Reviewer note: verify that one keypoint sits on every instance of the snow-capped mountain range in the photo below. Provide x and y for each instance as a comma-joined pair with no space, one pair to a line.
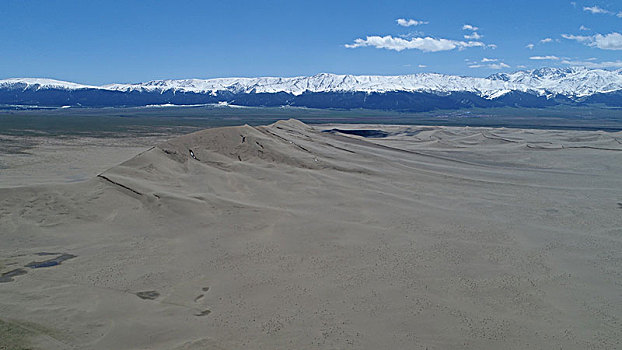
544,84
331,83
570,82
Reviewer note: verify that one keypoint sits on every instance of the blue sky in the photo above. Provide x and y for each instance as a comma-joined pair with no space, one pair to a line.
98,42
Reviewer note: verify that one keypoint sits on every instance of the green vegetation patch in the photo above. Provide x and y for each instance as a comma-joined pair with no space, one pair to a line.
14,337
19,335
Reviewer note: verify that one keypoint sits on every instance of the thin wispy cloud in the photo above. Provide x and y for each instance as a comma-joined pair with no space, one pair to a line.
489,63
497,66
409,22
411,35
425,44
596,10
601,11
531,46
469,27
611,41
584,28
579,38
543,58
422,66
473,36
595,65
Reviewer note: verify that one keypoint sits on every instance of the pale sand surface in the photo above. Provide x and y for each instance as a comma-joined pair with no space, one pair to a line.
28,160
287,237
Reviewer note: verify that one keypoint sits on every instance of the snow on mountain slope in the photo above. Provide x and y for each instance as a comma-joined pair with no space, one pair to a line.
325,82
571,82
42,83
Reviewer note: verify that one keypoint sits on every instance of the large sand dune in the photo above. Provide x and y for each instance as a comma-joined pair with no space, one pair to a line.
290,237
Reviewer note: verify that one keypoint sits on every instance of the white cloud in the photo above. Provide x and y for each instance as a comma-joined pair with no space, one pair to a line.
600,10
582,27
551,58
579,38
520,66
596,10
530,46
473,36
426,44
469,27
422,66
412,35
489,59
590,64
499,65
546,40
409,22
611,41
491,46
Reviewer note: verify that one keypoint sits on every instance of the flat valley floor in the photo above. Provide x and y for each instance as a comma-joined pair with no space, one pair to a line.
292,236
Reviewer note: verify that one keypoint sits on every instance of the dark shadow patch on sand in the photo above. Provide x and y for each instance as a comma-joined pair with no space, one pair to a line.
411,133
192,155
120,185
148,295
50,262
8,276
203,313
362,132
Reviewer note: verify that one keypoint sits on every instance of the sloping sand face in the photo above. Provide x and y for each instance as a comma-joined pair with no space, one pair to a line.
290,237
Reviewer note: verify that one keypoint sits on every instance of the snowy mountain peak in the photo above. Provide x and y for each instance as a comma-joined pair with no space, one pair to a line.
42,83
572,82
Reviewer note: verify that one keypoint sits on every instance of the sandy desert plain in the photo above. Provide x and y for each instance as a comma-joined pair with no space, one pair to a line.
287,236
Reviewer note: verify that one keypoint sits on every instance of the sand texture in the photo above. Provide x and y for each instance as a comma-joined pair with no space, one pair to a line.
28,160
290,237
